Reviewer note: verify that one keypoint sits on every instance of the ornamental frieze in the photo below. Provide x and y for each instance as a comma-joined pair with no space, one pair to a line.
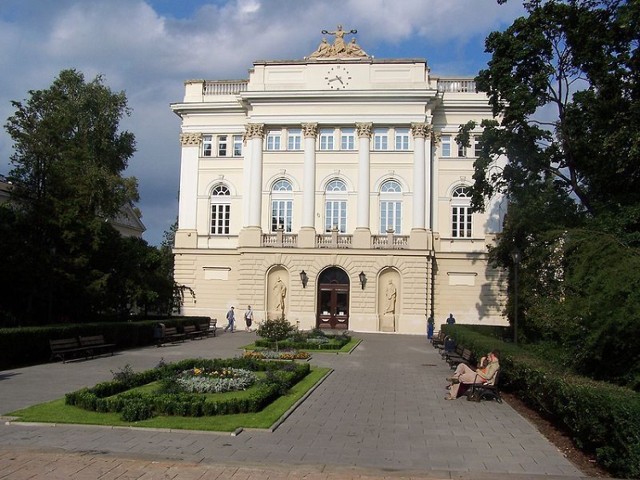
190,139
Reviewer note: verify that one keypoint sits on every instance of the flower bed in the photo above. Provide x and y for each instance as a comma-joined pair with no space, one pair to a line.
171,398
279,355
203,380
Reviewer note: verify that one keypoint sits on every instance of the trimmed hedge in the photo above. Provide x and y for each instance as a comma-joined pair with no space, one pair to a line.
602,419
23,346
113,396
336,343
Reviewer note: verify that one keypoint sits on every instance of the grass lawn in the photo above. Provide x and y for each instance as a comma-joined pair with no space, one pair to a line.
57,412
347,348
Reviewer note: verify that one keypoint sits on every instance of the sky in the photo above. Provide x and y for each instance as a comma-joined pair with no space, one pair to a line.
148,48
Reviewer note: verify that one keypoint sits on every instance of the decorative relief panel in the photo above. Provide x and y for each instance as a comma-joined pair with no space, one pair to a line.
190,139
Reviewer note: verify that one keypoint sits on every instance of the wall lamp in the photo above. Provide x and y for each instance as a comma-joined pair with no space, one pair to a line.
304,278
363,279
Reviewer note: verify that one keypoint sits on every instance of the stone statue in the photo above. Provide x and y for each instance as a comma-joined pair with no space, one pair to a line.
339,48
281,292
354,50
324,50
391,294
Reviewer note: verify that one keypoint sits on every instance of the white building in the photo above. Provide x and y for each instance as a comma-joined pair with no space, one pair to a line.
331,189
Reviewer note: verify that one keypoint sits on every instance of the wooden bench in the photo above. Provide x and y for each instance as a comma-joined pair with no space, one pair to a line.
192,332
485,391
462,355
95,345
208,328
169,335
64,348
438,339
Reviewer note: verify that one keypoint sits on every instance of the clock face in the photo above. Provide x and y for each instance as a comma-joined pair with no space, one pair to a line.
337,77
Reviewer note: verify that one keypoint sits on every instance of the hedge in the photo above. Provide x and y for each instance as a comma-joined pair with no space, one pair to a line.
602,419
113,396
21,346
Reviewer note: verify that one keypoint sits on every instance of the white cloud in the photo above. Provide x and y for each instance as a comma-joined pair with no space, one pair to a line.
149,55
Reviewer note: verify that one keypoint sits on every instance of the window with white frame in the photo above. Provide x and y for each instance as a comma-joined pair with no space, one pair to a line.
237,145
335,207
327,139
207,145
222,145
348,139
381,139
281,205
445,146
477,145
402,138
462,150
220,210
391,207
461,225
294,139
273,139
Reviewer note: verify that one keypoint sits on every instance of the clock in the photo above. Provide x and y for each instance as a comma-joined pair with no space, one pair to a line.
337,77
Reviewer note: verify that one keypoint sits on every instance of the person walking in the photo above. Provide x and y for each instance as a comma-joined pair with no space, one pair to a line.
231,320
248,318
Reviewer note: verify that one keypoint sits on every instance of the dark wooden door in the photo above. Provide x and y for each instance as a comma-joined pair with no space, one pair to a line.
333,299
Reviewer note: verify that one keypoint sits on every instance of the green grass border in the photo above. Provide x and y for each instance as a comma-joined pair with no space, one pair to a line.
57,412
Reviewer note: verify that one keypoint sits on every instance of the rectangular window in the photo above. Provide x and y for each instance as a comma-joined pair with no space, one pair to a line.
348,139
237,145
222,145
294,139
381,139
281,214
461,222
402,139
335,215
220,219
391,216
273,140
462,150
207,145
477,145
445,146
326,139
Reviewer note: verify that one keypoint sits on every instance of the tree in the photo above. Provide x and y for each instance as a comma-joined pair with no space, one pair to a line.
563,85
68,160
275,330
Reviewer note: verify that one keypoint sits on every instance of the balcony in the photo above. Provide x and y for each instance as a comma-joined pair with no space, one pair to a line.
280,240
224,87
457,85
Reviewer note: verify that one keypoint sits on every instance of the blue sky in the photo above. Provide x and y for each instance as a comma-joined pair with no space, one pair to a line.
148,48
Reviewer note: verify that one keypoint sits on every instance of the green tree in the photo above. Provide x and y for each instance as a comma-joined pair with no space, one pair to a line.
563,85
67,166
275,330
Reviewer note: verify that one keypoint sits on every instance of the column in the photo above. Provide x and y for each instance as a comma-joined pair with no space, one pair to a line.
188,200
434,188
307,234
256,134
362,233
251,233
420,132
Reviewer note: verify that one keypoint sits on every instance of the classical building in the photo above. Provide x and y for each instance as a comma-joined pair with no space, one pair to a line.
331,190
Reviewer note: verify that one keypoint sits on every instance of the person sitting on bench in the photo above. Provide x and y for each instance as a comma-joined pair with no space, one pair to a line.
464,374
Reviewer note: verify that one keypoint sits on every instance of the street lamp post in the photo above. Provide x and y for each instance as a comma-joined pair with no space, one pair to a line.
516,256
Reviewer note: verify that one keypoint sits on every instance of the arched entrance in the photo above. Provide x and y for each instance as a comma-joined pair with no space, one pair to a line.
333,299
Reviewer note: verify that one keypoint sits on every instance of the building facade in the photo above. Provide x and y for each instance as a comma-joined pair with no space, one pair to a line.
331,190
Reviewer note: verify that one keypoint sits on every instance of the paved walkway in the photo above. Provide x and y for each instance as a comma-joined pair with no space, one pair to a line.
380,414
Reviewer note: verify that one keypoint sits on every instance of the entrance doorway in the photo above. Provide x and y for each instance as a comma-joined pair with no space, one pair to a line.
333,299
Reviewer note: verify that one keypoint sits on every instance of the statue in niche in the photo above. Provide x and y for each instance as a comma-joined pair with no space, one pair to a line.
391,294
281,293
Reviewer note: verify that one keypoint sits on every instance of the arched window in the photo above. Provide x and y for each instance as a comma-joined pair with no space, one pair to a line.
281,205
461,226
391,207
220,210
335,206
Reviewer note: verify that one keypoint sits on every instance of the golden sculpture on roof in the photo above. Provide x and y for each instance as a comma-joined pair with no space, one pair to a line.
340,48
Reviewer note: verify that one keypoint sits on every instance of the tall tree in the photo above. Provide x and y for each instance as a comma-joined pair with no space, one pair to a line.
68,160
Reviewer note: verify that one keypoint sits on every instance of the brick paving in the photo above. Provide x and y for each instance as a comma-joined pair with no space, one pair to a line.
379,414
